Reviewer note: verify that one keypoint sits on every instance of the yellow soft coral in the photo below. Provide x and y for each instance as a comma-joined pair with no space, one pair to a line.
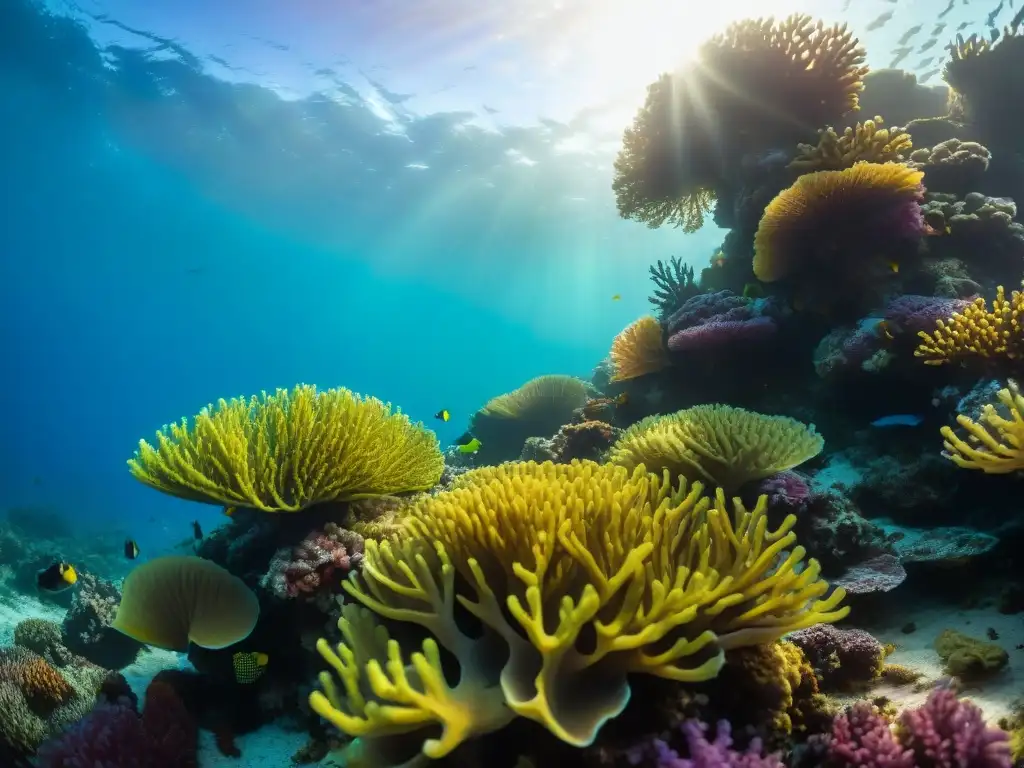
719,444
584,574
868,141
995,443
799,231
977,332
287,451
638,350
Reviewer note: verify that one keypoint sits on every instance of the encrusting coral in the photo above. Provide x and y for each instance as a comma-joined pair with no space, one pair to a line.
719,444
969,658
580,574
995,443
868,142
952,165
694,125
976,331
825,228
287,451
638,350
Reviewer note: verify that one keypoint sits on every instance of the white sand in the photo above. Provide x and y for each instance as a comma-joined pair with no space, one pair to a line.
15,609
995,696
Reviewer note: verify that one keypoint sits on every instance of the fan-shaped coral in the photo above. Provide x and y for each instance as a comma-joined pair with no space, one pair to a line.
868,142
173,600
722,445
638,350
976,331
828,223
290,450
538,408
581,574
995,443
696,123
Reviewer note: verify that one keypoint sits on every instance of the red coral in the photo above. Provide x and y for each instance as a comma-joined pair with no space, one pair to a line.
946,732
861,738
318,561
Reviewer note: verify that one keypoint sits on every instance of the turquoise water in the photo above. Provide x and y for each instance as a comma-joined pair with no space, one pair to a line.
414,204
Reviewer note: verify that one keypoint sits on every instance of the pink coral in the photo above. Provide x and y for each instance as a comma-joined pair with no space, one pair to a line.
317,562
946,732
703,753
861,738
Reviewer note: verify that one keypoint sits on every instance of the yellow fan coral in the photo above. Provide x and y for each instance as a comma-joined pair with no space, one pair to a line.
722,445
995,443
581,574
638,350
537,409
868,141
804,226
287,451
977,332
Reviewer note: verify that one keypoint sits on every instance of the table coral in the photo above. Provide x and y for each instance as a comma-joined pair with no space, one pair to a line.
525,538
287,451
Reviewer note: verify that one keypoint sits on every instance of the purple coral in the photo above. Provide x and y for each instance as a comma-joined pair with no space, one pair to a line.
946,732
712,320
111,736
316,562
862,738
788,488
911,313
841,657
703,753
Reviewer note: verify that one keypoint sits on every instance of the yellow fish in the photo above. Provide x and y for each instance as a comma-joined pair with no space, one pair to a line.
57,577
443,415
895,267
471,447
249,666
617,297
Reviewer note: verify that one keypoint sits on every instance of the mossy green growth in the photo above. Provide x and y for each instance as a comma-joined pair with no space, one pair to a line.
967,657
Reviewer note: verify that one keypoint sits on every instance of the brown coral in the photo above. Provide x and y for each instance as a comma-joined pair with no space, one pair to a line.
868,142
638,350
43,686
697,122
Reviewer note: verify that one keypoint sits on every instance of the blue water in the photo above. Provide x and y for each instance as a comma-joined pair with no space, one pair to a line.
177,228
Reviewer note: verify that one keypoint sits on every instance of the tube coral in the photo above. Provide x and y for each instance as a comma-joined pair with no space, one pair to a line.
287,451
659,579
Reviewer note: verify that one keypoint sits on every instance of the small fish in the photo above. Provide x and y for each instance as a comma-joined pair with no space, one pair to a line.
905,38
928,45
938,29
57,577
230,511
894,267
617,297
991,20
884,330
947,10
962,26
471,447
197,531
621,399
879,21
901,54
927,75
443,415
925,62
131,549
249,666
898,420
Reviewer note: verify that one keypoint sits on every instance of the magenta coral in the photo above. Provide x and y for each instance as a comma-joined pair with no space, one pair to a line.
111,736
703,753
946,732
862,738
787,488
716,333
318,561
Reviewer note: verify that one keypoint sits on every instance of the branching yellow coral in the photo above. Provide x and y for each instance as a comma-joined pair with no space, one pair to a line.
719,444
581,574
287,451
638,350
801,221
977,332
868,142
995,443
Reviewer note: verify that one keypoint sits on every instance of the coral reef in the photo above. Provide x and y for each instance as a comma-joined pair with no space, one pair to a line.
843,659
953,165
704,753
87,629
979,71
587,440
496,539
236,452
994,442
976,331
713,321
673,286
